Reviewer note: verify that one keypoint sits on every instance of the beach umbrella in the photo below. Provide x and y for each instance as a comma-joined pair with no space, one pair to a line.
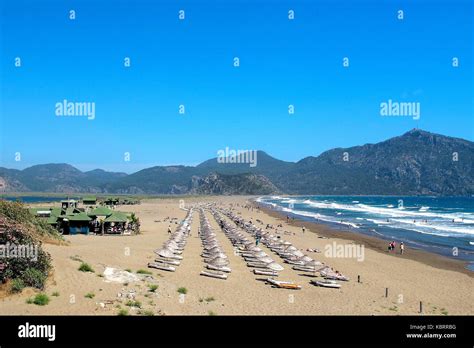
219,262
165,253
219,255
297,253
266,259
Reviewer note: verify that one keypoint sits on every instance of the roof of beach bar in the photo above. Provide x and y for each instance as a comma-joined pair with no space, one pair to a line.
100,211
35,211
117,216
53,219
79,217
70,211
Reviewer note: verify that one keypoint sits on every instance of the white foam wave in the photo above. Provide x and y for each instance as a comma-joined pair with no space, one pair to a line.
319,217
391,212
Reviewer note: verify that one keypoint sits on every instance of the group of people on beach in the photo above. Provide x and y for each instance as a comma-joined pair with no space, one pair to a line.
392,245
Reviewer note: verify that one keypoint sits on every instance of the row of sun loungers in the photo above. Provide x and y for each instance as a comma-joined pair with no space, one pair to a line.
289,253
216,260
255,257
169,255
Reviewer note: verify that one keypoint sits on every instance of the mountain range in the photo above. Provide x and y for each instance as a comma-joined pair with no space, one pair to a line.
415,163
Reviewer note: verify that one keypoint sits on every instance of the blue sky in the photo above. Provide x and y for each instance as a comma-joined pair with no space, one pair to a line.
190,62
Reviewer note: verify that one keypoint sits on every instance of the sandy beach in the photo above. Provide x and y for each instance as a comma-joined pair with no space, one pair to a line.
443,285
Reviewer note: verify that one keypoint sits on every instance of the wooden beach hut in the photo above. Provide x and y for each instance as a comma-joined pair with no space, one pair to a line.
69,203
111,201
116,223
89,200
99,215
78,223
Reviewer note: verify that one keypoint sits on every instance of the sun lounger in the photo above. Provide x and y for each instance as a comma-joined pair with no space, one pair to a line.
257,264
265,272
326,283
168,262
214,274
305,268
333,276
285,254
294,262
161,266
284,285
219,268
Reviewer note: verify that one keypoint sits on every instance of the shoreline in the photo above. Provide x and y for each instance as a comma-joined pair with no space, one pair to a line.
373,243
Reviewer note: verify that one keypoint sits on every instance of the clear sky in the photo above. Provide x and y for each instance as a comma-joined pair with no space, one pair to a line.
191,62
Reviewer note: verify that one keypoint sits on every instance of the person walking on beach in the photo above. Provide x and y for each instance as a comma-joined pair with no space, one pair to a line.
169,230
303,229
402,248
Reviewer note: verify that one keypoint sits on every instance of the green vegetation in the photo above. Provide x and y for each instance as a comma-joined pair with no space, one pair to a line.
132,303
29,300
41,299
212,313
146,313
153,287
89,295
27,232
56,294
17,285
210,299
128,270
16,211
143,271
85,267
122,312
34,278
182,290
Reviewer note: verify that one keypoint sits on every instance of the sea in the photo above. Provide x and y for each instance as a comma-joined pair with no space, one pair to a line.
36,199
444,225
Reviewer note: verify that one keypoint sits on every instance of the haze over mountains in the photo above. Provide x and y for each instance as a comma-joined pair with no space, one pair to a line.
415,163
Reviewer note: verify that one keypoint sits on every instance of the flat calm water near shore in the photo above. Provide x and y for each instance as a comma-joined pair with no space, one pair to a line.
36,199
